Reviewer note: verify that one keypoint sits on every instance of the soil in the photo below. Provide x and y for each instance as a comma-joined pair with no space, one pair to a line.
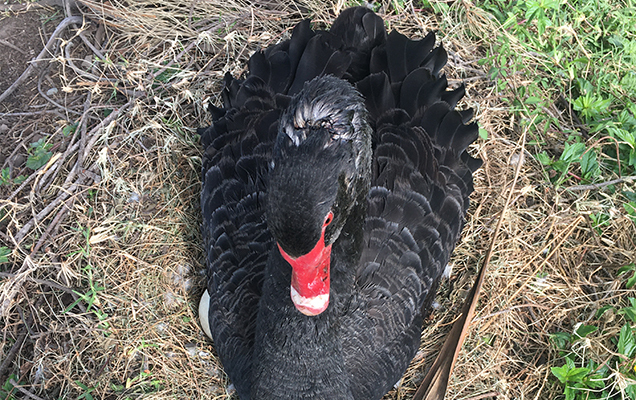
23,116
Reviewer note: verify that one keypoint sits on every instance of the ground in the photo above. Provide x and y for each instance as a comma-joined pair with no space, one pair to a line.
20,41
25,117
100,255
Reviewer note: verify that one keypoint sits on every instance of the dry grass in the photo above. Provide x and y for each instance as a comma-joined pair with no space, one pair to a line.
127,238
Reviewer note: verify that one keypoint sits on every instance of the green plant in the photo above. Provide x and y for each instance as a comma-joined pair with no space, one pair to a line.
6,391
5,178
91,295
39,154
582,56
630,204
613,377
87,391
626,270
69,129
4,254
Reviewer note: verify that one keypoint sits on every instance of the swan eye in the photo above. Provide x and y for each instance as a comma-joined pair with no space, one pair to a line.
328,219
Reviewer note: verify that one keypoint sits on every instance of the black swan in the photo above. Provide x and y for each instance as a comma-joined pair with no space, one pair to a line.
335,185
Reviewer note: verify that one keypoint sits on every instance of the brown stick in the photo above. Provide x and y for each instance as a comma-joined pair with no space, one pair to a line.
46,50
14,47
602,184
56,168
47,210
12,353
66,192
46,282
484,396
24,391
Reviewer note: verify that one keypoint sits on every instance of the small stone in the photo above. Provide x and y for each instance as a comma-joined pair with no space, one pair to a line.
191,348
4,128
18,161
51,92
87,64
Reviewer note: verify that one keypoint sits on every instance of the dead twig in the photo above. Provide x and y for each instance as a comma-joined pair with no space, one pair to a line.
50,100
46,50
54,224
14,47
10,288
46,282
599,185
47,210
12,353
17,148
484,396
45,182
24,391
27,114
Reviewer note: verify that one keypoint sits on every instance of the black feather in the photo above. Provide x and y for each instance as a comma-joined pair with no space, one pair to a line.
295,141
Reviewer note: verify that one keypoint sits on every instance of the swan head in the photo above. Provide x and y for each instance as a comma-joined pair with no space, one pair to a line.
321,169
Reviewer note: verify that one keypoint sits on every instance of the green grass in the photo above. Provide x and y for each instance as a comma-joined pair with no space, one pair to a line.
582,56
567,71
583,375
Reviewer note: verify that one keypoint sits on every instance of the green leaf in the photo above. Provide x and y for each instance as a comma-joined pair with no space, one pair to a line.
40,155
4,253
561,373
568,373
626,268
532,100
5,176
630,390
602,310
627,341
577,374
561,340
572,152
68,129
585,330
544,158
595,381
483,133
589,165
625,136
629,311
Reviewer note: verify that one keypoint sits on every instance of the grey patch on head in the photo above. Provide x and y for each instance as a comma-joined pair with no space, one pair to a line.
329,103
295,136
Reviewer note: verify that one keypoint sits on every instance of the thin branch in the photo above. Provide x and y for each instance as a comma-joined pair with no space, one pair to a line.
594,186
48,209
45,51
27,114
91,46
12,353
45,282
484,396
50,100
45,182
14,47
17,148
54,224
24,391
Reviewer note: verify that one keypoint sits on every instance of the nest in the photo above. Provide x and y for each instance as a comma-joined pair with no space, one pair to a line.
100,290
